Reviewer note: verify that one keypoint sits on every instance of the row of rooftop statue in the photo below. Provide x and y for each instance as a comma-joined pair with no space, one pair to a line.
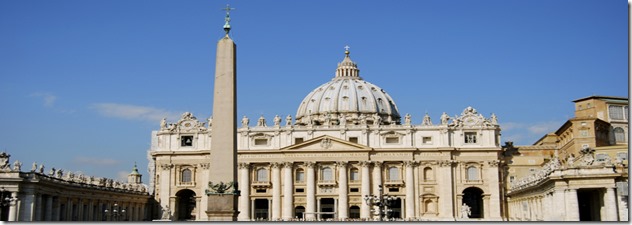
341,119
69,176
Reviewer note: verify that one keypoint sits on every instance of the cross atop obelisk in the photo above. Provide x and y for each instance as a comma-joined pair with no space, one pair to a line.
227,19
222,190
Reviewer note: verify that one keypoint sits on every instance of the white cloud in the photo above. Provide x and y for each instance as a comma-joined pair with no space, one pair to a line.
96,161
544,127
122,175
132,112
511,126
48,98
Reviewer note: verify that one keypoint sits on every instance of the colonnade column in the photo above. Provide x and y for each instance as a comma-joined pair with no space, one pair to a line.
13,209
365,211
49,209
559,204
244,188
410,189
572,206
377,177
311,191
610,203
288,191
276,191
343,204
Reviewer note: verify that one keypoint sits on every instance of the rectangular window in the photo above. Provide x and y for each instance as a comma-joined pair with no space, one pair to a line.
426,140
470,137
261,141
300,190
353,139
622,156
392,140
354,190
261,190
616,112
393,189
186,141
298,140
601,157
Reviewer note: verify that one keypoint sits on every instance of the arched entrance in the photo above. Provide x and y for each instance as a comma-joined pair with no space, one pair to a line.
473,197
327,206
261,209
185,204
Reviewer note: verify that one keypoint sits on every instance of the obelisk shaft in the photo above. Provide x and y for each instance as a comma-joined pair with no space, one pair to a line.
223,165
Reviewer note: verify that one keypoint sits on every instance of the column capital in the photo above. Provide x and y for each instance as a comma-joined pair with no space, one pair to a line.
204,165
411,163
364,163
288,165
310,164
244,165
342,164
378,164
166,166
446,163
493,163
276,165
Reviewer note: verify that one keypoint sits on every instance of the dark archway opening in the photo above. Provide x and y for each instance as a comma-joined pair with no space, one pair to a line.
327,206
185,204
473,197
261,209
590,203
396,208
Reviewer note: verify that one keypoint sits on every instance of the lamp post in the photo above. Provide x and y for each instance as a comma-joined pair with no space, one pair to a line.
116,212
5,200
383,201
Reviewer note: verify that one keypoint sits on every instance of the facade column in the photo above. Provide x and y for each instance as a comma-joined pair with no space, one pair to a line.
38,207
377,177
446,204
623,207
343,201
48,215
559,204
610,203
288,190
13,209
27,206
410,189
244,187
365,211
276,191
494,188
165,185
572,206
311,191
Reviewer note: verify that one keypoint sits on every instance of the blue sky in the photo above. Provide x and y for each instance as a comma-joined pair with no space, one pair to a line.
83,83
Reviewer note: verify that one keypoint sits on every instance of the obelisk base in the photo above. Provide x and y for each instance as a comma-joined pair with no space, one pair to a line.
222,207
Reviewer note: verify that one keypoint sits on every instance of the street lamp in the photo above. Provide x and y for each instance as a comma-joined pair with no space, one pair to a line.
383,201
116,212
5,200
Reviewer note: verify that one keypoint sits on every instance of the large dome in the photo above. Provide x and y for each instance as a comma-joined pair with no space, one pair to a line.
347,95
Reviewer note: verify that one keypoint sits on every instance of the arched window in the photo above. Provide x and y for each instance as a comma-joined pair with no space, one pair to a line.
262,174
393,173
327,173
354,175
186,176
472,173
619,134
354,212
428,174
300,176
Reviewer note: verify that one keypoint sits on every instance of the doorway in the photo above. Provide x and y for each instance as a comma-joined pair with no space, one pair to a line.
589,202
473,197
327,208
185,205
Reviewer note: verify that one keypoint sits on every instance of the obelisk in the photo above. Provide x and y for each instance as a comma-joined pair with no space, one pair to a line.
222,189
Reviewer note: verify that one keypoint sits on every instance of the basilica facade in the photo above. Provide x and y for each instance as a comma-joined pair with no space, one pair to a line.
346,145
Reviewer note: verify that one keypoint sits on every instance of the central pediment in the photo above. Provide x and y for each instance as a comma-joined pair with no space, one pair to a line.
326,143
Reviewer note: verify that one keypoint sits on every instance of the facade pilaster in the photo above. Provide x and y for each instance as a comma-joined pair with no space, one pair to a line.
288,192
311,191
559,204
377,177
343,201
494,187
365,211
410,189
244,187
276,191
